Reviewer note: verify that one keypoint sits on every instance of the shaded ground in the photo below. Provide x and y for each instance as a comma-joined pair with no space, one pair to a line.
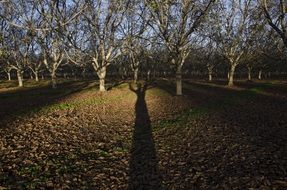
144,137
16,101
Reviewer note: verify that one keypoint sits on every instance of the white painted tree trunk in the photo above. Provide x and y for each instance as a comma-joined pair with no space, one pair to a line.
9,76
179,80
20,78
260,75
210,71
36,76
210,76
102,76
231,75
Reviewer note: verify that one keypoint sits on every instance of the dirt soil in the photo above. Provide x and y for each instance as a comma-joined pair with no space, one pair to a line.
144,137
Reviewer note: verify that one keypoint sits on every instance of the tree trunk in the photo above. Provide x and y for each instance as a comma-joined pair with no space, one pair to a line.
122,73
178,80
249,73
36,76
9,75
210,73
260,75
54,80
136,74
210,76
102,76
20,78
231,75
269,74
84,73
148,75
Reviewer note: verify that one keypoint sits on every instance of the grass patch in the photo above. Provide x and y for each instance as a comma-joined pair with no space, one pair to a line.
157,92
87,102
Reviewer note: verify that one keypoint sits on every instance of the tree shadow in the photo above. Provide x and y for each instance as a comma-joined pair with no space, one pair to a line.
144,172
21,102
243,134
115,85
167,86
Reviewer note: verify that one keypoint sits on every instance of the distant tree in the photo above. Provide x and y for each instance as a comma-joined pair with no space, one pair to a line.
210,57
102,20
175,22
17,41
55,16
231,29
133,28
35,64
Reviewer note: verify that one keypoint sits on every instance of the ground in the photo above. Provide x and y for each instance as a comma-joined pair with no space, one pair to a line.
144,137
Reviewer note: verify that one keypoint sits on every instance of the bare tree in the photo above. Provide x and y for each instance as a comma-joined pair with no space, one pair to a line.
35,65
5,64
133,28
54,19
45,21
231,29
101,23
275,13
18,42
210,56
175,22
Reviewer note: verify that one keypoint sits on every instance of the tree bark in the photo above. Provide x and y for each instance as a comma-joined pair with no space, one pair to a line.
84,73
269,75
260,75
231,75
102,76
249,73
210,73
148,75
179,80
9,76
136,74
54,79
210,76
20,78
154,73
36,76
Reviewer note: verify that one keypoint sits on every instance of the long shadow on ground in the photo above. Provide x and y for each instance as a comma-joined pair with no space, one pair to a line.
144,172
